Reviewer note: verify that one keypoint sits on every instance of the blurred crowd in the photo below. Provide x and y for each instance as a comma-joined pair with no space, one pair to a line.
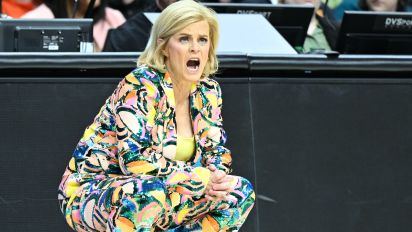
120,26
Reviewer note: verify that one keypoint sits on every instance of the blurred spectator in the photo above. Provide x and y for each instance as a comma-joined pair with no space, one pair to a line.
134,34
383,5
17,8
322,32
239,1
344,6
370,5
332,4
104,18
129,7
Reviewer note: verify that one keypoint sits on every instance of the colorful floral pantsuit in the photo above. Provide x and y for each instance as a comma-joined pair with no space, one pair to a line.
144,203
123,175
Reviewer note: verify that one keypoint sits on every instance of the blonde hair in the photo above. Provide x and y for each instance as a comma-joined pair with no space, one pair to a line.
173,19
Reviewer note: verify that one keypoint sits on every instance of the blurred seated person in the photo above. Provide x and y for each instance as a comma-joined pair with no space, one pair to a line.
134,34
238,1
383,5
129,7
104,18
344,5
17,8
322,32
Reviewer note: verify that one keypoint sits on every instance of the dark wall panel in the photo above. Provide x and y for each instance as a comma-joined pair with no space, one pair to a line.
323,154
41,124
333,155
238,125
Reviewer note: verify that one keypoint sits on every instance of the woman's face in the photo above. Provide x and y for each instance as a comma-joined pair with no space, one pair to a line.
187,52
382,5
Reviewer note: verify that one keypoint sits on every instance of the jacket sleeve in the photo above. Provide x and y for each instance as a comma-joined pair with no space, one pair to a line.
214,150
135,102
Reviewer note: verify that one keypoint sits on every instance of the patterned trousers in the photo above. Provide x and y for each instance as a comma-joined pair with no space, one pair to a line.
145,203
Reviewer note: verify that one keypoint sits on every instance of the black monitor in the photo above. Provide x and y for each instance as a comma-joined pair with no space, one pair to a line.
46,35
291,21
367,32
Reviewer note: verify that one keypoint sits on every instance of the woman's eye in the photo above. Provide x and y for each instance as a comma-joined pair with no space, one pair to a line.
184,39
203,41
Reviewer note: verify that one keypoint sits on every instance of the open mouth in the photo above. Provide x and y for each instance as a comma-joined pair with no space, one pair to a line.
193,64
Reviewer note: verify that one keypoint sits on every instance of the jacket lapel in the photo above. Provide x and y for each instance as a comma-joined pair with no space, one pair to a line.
198,107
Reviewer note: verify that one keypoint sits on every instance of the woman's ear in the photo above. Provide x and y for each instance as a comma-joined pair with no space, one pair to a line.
160,41
164,52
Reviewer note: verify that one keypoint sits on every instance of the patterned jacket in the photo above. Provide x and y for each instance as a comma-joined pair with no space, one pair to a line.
134,133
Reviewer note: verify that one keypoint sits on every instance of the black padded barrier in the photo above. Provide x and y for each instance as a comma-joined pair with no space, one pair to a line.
325,141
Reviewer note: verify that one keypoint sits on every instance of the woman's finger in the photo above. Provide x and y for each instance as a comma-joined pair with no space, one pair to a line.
226,179
230,198
212,167
225,186
217,193
218,175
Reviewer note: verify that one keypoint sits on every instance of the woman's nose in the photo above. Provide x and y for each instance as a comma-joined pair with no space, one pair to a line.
195,47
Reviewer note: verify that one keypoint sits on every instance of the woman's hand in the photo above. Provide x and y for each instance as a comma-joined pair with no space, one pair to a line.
219,186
